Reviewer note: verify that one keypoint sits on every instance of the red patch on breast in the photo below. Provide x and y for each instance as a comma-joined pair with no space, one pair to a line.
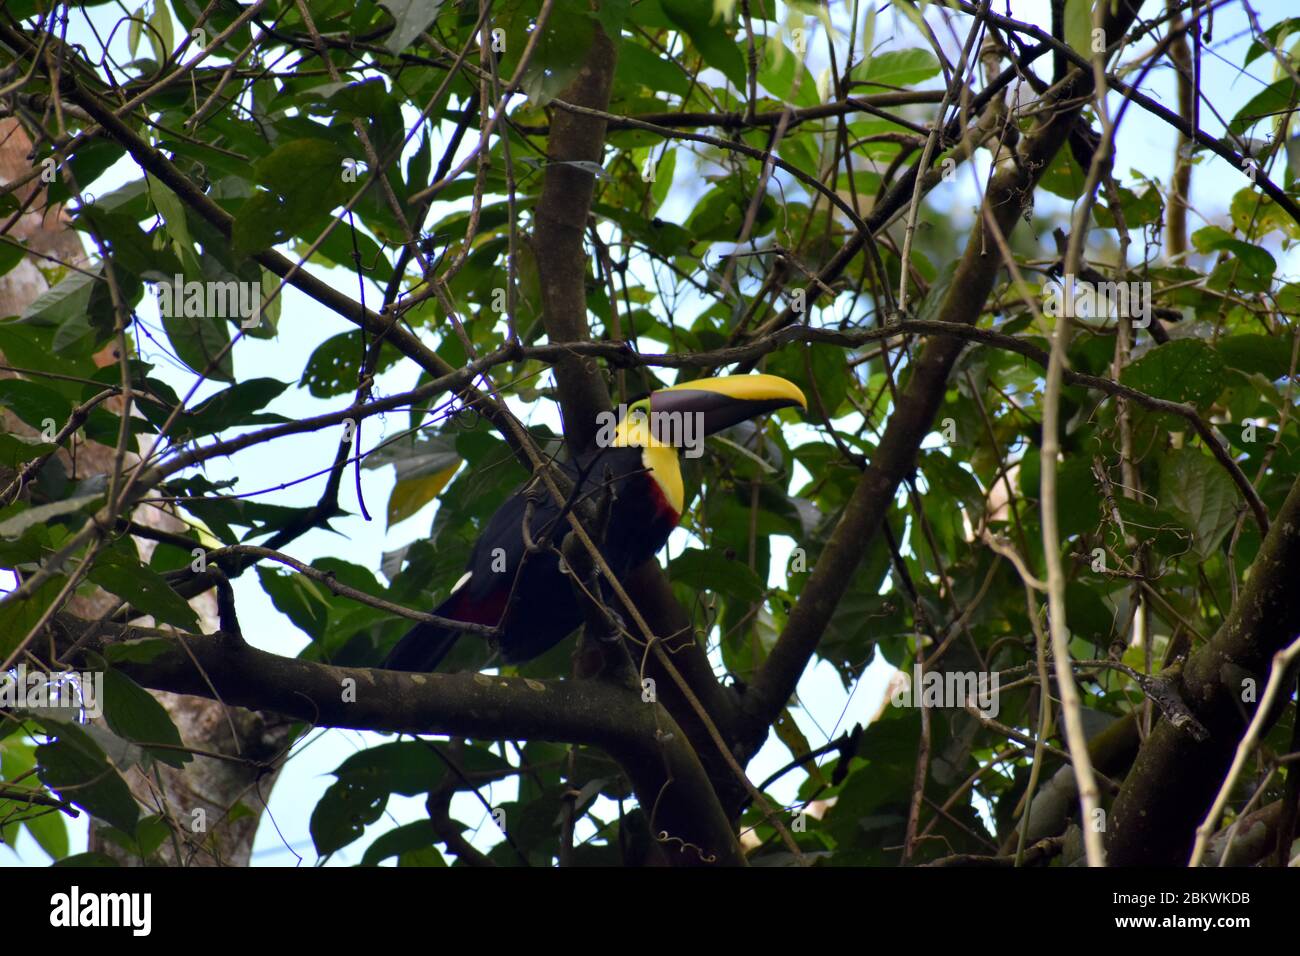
487,611
660,502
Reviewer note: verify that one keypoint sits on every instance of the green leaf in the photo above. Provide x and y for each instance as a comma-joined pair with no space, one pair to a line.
73,766
664,174
134,714
15,450
35,404
11,253
1255,213
160,37
365,781
417,169
710,571
1138,210
17,759
612,14
898,69
409,495
818,366
718,215
1078,26
560,52
172,211
50,833
1256,353
1273,39
1064,177
1268,106
777,72
637,65
715,43
198,340
875,797
333,368
28,548
413,17
1087,613
1255,258
1185,370
69,299
234,406
93,160
18,617
424,467
1156,525
401,840
19,521
407,767
1079,502
946,475
260,224
1196,490
371,102
305,179
353,575
297,597
150,833
124,576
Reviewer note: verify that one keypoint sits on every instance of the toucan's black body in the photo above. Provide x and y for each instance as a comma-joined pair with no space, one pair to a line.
635,471
545,607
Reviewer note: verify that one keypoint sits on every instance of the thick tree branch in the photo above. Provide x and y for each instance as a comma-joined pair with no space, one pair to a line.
1154,823
577,133
665,772
559,239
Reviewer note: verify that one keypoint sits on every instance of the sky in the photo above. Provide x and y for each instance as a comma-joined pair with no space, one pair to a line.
283,838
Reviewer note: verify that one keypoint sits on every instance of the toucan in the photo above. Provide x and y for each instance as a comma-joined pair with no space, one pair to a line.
634,469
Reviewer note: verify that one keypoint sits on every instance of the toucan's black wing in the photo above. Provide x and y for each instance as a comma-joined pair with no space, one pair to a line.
541,605
492,573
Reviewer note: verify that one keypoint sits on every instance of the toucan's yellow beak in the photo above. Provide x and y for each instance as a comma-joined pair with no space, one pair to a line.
729,399
688,412
742,388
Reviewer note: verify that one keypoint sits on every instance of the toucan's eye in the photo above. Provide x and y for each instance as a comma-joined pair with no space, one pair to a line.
639,412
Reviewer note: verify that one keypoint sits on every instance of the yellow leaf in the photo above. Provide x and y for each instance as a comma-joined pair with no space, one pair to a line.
412,494
788,732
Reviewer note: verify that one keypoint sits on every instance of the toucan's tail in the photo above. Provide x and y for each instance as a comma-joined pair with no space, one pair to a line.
424,646
421,649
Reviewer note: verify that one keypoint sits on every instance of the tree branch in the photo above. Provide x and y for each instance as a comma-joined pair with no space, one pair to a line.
645,740
1154,823
558,239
